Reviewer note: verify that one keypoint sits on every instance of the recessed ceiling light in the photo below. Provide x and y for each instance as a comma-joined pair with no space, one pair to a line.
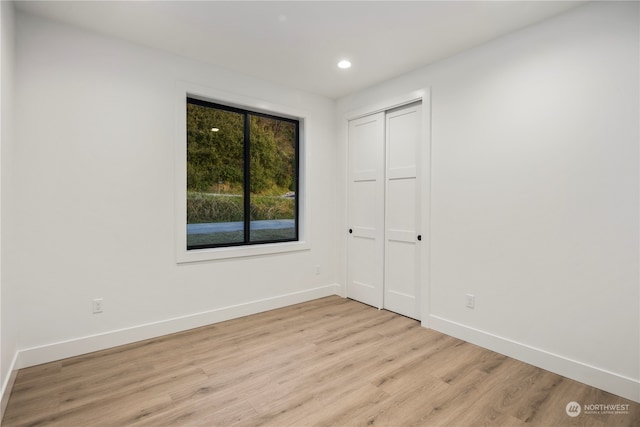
344,64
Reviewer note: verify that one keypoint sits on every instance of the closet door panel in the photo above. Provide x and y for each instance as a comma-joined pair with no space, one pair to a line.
402,126
365,250
401,205
400,292
402,220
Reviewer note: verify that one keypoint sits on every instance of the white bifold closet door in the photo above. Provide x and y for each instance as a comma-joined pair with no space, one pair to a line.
384,210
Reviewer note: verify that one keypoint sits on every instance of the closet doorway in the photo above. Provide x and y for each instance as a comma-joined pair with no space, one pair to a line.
385,193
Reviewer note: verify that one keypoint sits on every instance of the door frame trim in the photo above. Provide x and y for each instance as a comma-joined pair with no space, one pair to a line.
423,95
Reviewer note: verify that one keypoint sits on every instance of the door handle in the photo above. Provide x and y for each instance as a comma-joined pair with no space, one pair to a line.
419,237
350,231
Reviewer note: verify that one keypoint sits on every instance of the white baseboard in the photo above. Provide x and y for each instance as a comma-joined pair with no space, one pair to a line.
7,386
591,375
61,350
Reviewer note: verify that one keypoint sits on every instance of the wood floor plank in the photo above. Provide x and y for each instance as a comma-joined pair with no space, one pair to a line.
407,405
328,362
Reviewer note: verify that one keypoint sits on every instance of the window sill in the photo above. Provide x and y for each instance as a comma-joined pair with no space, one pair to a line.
199,255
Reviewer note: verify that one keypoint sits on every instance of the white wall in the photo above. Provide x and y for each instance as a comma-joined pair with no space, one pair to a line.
534,206
93,204
8,330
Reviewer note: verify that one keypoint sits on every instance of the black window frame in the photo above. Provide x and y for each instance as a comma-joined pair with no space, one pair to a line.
247,174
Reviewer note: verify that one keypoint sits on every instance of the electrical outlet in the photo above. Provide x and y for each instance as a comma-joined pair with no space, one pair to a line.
471,301
317,269
97,305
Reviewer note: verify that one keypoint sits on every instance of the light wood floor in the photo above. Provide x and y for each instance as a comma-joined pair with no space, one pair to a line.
329,362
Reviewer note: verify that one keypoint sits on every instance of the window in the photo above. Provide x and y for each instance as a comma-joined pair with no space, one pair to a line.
242,176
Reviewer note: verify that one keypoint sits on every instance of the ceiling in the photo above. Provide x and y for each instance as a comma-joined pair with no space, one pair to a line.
297,44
